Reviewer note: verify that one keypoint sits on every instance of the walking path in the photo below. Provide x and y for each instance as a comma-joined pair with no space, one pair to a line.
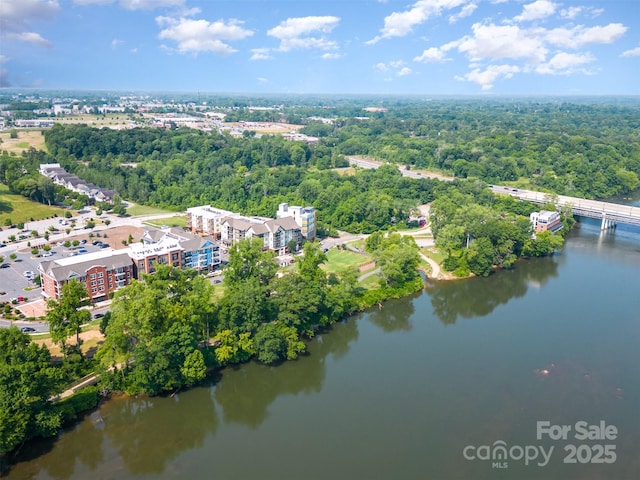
436,271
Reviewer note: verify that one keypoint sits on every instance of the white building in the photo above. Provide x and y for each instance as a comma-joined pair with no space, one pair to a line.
303,216
545,220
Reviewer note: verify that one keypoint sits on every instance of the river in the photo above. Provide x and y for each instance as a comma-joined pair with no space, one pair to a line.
410,391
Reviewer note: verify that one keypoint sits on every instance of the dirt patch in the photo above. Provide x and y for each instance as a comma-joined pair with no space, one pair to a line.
90,341
115,236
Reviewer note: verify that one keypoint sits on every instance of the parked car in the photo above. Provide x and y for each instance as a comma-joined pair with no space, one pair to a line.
98,315
29,274
28,329
96,242
104,245
82,250
82,242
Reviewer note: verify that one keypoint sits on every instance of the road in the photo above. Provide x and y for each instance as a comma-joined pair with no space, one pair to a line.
579,203
365,162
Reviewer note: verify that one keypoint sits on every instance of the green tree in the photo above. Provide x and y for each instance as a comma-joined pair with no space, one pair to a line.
480,256
65,317
28,381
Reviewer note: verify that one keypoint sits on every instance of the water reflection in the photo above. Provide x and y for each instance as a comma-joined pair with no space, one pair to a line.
141,436
394,315
250,389
140,433
478,297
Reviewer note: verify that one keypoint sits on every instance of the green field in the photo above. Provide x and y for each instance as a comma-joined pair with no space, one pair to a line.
139,210
168,221
20,209
434,254
342,260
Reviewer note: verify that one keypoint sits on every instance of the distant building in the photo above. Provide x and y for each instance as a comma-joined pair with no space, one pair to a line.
206,219
35,123
275,234
102,272
292,223
60,176
545,220
174,247
303,216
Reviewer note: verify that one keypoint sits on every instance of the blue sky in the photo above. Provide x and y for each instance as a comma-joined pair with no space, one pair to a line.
425,47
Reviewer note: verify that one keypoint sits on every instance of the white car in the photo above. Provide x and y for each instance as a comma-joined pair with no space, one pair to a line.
29,274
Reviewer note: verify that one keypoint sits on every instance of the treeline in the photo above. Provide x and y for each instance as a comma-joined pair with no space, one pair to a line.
195,168
28,381
479,231
575,149
166,332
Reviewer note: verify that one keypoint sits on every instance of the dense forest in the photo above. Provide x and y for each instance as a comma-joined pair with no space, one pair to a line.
579,149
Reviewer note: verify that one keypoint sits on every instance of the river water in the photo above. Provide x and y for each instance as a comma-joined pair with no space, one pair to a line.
403,392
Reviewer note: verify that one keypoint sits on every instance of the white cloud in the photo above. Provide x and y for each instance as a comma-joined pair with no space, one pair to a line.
16,17
29,37
397,67
564,63
150,4
571,12
502,42
432,55
580,36
536,10
330,56
115,43
486,78
466,11
260,54
93,2
263,80
194,36
400,24
634,52
294,33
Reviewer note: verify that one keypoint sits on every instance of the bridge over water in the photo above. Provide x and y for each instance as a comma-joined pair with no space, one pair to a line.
610,213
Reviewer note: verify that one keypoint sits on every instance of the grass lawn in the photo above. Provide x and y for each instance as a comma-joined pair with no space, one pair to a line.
341,260
26,139
138,210
434,254
20,209
218,291
370,282
169,222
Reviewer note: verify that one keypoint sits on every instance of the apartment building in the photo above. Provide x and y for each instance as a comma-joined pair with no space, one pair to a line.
102,272
303,216
207,219
174,246
276,234
545,220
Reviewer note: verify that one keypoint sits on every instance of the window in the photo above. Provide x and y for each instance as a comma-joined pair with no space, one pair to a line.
93,275
93,290
101,281
93,284
100,274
